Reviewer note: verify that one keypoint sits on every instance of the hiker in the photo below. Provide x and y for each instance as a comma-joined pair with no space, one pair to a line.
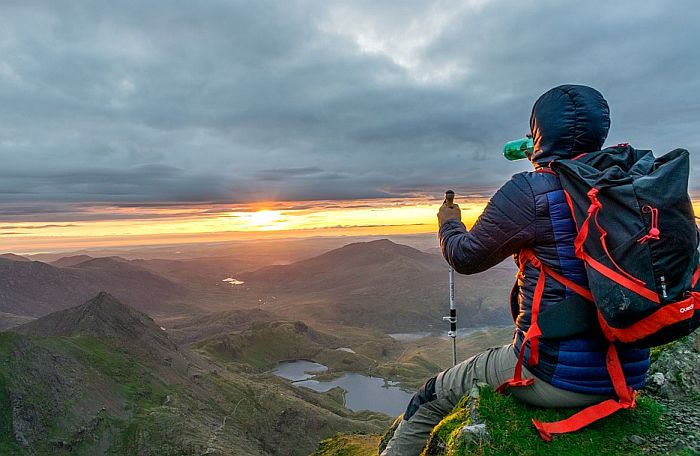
529,211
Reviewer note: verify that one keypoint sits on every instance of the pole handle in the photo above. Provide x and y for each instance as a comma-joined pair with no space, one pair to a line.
450,198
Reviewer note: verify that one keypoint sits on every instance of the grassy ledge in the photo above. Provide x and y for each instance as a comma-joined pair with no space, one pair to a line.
511,432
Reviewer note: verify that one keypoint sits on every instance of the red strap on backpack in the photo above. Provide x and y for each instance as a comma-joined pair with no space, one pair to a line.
596,412
666,315
622,277
534,332
626,396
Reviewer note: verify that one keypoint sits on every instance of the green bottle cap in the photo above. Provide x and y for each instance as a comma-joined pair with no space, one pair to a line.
516,150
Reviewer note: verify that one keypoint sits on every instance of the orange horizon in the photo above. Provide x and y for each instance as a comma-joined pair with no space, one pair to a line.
134,227
124,227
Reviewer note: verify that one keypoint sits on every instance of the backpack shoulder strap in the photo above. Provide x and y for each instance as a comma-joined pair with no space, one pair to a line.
534,333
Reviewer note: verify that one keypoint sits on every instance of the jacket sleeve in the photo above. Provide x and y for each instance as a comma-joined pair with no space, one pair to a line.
506,225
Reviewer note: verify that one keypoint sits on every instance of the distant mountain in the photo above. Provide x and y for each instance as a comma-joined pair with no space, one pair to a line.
378,284
101,316
186,330
384,285
34,288
364,261
70,260
13,257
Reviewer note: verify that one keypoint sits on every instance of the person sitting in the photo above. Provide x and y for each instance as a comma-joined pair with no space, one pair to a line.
528,212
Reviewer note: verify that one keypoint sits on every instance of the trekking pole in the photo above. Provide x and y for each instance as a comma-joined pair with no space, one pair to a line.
452,318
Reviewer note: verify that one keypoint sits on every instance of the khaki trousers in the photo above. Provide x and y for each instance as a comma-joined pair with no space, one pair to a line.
494,366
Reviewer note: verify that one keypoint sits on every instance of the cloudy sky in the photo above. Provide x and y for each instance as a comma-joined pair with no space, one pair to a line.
133,110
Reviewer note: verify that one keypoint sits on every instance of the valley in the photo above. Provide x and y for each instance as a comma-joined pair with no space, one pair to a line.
164,357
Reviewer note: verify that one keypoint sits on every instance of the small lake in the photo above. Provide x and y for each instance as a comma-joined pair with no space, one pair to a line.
361,391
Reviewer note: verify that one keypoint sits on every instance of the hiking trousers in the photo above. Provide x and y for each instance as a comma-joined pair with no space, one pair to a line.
494,366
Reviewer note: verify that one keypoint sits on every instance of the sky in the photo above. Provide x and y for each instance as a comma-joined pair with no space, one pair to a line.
138,121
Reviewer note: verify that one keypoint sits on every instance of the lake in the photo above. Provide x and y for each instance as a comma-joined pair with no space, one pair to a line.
362,392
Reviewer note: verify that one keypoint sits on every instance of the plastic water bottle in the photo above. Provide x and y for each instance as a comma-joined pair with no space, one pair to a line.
518,149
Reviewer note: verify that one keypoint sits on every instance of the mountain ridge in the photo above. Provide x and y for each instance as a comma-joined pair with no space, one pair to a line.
69,260
34,288
101,316
14,257
379,284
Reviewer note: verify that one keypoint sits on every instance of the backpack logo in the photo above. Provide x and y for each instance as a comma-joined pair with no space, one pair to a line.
688,309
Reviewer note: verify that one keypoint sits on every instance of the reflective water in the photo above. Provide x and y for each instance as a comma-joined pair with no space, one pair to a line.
361,391
298,370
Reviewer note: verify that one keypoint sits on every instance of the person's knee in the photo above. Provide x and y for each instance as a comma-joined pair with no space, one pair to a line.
425,394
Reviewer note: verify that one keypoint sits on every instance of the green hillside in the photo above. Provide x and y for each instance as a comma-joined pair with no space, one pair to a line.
92,394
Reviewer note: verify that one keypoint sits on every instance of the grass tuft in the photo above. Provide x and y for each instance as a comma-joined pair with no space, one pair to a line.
348,445
511,430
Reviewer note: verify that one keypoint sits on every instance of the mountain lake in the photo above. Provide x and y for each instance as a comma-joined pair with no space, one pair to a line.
362,392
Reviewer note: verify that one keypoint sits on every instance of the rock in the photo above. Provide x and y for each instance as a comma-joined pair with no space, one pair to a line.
674,374
658,379
474,434
637,440
674,381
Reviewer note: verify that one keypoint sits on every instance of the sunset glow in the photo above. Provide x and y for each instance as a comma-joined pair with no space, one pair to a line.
138,226
131,226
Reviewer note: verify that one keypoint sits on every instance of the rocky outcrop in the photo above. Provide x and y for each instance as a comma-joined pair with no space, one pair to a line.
675,371
674,381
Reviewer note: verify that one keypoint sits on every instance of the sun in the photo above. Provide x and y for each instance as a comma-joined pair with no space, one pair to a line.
262,219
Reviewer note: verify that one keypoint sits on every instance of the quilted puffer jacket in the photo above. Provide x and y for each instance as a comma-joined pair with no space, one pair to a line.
530,211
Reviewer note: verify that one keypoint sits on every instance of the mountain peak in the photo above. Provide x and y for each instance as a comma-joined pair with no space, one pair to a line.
72,260
104,262
101,316
381,242
104,301
385,248
13,257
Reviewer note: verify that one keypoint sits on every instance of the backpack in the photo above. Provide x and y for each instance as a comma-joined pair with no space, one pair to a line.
639,240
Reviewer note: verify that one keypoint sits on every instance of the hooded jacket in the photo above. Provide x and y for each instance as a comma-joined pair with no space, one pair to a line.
530,211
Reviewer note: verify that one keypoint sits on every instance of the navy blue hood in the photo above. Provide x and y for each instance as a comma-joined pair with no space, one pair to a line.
567,121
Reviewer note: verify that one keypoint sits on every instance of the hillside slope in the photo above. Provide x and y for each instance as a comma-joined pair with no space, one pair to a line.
103,378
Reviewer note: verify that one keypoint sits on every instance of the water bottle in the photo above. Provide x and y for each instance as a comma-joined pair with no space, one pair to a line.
519,149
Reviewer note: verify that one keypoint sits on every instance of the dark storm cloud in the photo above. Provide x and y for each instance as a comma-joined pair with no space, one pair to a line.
160,103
